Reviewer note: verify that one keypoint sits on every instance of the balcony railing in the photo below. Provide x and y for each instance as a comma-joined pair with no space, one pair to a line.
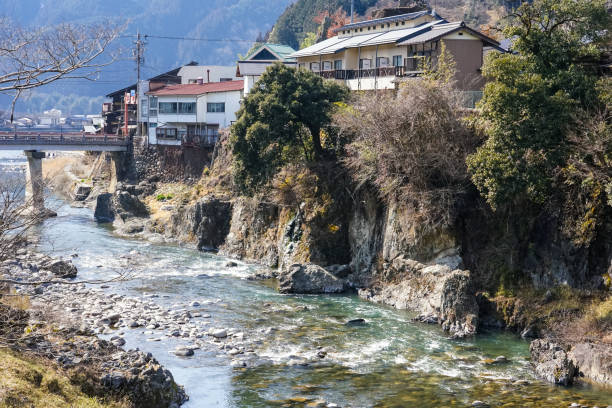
412,66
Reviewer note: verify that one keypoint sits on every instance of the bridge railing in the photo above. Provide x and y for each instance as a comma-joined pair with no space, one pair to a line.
74,138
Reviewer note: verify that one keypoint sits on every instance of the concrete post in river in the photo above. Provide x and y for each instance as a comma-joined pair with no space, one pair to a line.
34,194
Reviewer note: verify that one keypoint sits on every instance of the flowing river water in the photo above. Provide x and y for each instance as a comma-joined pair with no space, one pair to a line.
387,362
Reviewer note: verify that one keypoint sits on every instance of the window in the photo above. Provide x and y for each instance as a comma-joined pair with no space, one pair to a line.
365,64
144,110
187,107
193,81
327,65
166,133
315,67
225,80
338,65
153,102
382,62
215,107
397,61
167,107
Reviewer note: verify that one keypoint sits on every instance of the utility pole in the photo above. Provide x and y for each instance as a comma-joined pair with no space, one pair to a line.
352,10
139,60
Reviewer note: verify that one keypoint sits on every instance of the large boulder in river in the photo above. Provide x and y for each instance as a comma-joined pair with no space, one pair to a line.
309,278
437,293
552,363
105,210
594,361
61,269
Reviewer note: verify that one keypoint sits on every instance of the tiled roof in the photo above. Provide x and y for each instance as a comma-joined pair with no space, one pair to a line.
441,30
199,89
392,19
283,51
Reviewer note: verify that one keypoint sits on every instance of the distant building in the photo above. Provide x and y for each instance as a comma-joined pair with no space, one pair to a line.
192,74
51,117
375,54
255,63
192,114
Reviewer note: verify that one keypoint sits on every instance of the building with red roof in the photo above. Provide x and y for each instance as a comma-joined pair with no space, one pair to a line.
192,114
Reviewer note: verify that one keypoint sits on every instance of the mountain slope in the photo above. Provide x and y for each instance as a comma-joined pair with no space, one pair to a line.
305,17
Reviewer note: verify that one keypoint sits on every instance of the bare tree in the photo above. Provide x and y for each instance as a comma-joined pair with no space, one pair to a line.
16,218
33,58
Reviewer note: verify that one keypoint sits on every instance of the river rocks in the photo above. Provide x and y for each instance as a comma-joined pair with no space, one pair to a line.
184,352
552,363
594,361
61,269
437,293
356,322
309,278
219,334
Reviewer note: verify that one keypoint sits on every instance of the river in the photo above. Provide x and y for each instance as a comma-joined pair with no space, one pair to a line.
387,362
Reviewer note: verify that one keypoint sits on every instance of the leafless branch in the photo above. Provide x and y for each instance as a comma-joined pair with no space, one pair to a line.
33,58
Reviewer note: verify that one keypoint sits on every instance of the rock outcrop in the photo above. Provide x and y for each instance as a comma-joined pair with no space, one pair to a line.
437,293
593,361
552,363
309,278
253,232
123,205
207,223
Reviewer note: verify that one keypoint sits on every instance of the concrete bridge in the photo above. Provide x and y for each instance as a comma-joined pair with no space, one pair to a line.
35,144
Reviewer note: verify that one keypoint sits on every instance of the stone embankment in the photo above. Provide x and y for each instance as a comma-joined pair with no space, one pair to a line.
60,330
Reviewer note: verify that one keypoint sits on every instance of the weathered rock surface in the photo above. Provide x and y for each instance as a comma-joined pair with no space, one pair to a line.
552,363
122,205
253,232
309,278
437,293
593,361
207,222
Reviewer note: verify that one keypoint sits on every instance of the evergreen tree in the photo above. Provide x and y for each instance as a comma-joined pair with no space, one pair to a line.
281,122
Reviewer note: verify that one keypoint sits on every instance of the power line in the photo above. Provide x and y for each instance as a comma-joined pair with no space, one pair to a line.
165,37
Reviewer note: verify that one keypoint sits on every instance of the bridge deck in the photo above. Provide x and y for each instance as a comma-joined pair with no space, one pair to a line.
62,141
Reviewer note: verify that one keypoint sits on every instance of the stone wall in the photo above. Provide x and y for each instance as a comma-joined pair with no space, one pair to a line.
172,163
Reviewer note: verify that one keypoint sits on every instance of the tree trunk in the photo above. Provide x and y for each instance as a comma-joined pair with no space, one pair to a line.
316,142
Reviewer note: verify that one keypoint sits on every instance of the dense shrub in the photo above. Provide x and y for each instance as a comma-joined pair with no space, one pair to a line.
411,146
533,94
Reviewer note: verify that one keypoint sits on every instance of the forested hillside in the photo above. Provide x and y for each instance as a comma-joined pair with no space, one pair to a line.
304,18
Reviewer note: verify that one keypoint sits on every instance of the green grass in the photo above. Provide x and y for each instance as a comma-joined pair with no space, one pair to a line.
28,383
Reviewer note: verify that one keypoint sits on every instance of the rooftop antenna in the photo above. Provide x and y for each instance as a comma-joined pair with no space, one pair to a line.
352,10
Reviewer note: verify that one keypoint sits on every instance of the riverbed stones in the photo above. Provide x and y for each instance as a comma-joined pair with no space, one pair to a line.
184,352
309,279
552,363
219,333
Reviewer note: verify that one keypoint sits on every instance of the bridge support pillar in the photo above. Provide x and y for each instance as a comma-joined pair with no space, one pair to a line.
34,181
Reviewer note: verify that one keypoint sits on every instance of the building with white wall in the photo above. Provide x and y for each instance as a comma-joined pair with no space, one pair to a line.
191,74
255,63
192,114
375,54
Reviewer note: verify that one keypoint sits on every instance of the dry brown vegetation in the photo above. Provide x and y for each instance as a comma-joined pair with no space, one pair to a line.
411,146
